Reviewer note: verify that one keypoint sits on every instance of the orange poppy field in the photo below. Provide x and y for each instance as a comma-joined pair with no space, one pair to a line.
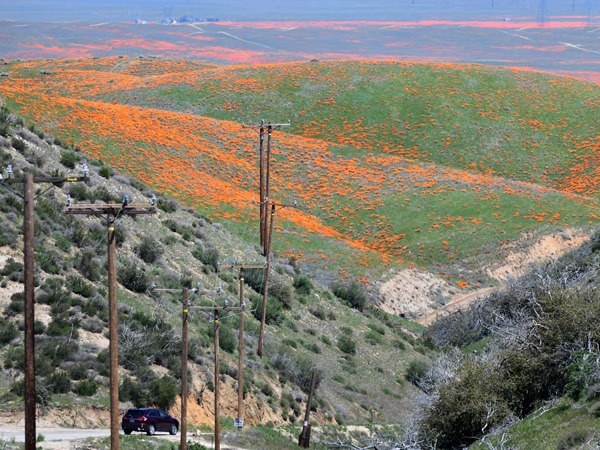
390,163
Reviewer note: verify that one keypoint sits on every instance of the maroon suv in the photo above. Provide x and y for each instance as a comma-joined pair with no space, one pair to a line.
149,420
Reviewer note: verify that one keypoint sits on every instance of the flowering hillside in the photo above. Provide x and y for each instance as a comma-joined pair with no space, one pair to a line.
391,163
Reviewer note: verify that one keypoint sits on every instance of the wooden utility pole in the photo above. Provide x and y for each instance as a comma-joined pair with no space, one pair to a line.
304,439
184,354
111,214
261,181
184,359
29,314
184,366
28,180
217,381
261,335
264,182
239,421
215,316
240,416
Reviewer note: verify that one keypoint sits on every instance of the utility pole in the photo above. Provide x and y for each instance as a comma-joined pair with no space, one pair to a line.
112,213
264,183
184,353
184,364
304,439
239,421
261,335
28,180
215,317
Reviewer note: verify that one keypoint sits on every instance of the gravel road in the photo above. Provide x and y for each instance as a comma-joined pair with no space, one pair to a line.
70,438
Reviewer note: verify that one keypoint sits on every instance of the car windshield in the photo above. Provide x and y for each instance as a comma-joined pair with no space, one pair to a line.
134,413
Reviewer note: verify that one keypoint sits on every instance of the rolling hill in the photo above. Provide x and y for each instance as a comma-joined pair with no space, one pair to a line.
393,164
437,168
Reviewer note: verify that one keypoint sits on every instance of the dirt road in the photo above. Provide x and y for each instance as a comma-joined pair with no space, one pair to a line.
457,302
56,438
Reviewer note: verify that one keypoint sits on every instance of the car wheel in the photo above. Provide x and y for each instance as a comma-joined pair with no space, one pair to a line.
151,430
127,431
173,429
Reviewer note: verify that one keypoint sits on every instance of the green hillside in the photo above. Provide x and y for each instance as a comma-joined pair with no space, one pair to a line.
307,325
394,165
391,163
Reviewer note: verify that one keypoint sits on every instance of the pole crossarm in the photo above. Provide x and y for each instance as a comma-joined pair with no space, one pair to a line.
7,183
241,266
115,209
272,126
218,308
46,180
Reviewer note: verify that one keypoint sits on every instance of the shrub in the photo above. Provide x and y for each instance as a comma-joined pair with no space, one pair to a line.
325,339
353,294
11,267
4,129
584,369
274,311
59,382
8,331
78,192
311,346
88,265
56,350
295,367
18,144
149,250
78,371
475,400
102,193
373,338
69,159
346,344
209,256
416,371
133,278
163,392
255,278
49,261
167,205
14,357
80,287
132,391
282,291
17,304
86,388
318,312
105,172
227,339
303,285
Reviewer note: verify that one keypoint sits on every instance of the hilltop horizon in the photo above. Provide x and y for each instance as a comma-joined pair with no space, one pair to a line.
301,10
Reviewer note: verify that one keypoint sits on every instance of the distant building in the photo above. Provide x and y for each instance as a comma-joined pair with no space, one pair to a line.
188,19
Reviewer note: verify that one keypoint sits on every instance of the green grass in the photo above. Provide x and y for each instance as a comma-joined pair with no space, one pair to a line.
133,442
483,111
438,208
269,438
545,428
